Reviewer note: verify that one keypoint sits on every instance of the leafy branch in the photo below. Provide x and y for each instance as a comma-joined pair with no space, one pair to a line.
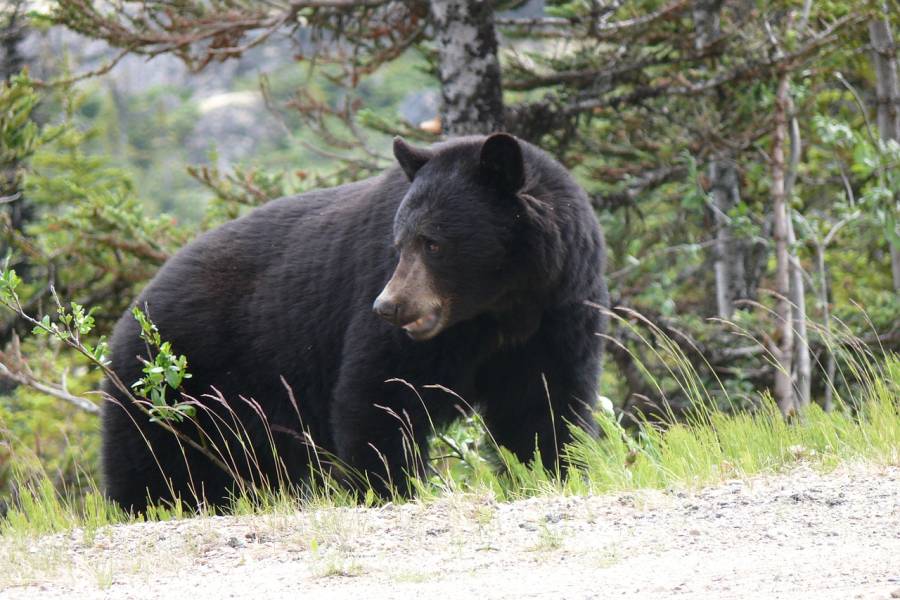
163,371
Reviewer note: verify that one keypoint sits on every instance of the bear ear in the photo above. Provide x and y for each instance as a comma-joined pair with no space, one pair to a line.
502,163
411,159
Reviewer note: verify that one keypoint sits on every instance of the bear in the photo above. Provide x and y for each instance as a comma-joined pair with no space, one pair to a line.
335,330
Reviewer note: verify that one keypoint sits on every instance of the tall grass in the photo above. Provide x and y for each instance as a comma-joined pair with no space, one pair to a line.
713,445
710,445
40,508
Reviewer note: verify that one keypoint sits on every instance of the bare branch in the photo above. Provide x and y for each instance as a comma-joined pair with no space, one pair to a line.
13,367
608,29
56,391
101,70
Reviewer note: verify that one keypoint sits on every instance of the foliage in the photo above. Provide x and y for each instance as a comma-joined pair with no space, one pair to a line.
625,94
91,238
89,241
708,448
165,371
20,136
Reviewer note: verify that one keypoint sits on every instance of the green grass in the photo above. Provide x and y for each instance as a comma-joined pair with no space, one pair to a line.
710,447
714,446
721,446
42,509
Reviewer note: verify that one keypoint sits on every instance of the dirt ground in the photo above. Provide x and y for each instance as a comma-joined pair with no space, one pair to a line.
799,535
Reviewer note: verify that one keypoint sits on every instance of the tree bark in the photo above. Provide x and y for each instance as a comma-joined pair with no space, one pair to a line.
18,211
783,348
828,400
887,89
13,29
730,254
802,362
468,66
706,22
12,33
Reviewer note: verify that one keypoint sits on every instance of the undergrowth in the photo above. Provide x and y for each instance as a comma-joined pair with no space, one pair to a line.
711,445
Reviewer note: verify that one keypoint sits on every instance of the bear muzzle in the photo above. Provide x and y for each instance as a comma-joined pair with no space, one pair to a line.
418,324
387,308
409,300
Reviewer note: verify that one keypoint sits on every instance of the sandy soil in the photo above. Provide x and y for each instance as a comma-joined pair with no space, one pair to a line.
799,535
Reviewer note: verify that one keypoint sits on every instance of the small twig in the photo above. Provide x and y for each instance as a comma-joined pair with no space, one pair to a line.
618,26
101,70
56,391
862,107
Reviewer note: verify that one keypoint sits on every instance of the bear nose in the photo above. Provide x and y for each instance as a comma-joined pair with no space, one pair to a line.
386,308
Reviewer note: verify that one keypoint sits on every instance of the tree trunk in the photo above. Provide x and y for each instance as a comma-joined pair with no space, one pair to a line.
706,22
828,400
12,33
18,212
802,362
730,254
724,306
887,88
783,348
468,66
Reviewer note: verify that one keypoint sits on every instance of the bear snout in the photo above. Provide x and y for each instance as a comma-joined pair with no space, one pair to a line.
387,308
419,322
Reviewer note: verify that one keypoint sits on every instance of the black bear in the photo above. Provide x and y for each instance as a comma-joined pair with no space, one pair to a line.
342,317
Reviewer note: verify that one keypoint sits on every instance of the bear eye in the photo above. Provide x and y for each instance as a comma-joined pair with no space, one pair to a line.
432,247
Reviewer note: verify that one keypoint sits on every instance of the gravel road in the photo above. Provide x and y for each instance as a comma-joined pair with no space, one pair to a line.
803,534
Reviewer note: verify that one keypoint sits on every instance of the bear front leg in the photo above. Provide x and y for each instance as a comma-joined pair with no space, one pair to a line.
532,394
380,437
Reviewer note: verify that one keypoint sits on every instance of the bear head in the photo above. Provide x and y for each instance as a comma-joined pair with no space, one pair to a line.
460,232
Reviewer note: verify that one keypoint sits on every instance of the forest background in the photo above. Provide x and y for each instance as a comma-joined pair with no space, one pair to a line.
742,156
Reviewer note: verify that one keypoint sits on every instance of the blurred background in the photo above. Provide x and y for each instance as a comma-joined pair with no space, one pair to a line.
742,156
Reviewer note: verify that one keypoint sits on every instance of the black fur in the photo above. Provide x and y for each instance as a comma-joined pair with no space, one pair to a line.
287,291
